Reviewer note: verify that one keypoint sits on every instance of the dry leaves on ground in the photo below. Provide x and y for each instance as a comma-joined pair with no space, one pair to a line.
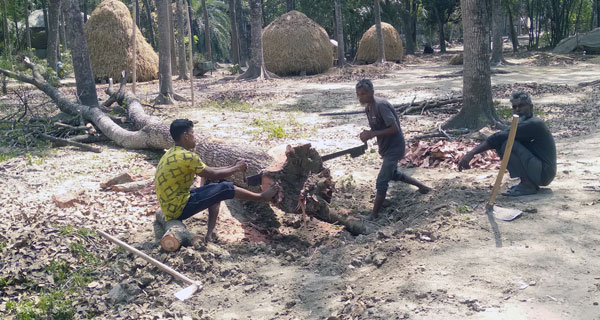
443,153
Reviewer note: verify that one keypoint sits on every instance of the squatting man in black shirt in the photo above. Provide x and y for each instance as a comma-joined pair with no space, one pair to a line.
533,155
385,126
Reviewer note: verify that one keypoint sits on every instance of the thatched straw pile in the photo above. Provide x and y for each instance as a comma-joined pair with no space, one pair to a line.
368,49
108,34
293,44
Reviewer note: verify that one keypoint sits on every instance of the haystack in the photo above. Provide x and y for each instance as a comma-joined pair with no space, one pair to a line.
293,44
108,34
368,51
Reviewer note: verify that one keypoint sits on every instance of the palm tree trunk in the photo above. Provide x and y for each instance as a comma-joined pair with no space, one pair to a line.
5,28
85,10
497,56
63,34
513,34
84,78
181,32
164,53
339,33
235,48
137,13
172,38
290,5
134,48
256,69
242,33
380,44
150,26
52,48
27,28
207,41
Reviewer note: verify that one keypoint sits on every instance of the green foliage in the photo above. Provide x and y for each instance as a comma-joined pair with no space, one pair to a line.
234,69
67,230
53,305
219,25
86,233
7,156
464,209
25,309
271,127
31,159
504,112
6,281
56,306
59,270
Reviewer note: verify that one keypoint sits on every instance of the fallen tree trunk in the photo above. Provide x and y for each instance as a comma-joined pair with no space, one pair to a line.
288,166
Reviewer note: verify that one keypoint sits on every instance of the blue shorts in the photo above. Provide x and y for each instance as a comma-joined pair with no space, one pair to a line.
207,196
388,172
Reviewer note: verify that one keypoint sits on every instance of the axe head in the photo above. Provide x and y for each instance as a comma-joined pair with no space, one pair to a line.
187,292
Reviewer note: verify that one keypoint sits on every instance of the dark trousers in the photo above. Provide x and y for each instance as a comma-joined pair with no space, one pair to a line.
523,163
207,196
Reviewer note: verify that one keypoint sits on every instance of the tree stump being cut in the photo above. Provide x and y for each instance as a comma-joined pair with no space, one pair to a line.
173,234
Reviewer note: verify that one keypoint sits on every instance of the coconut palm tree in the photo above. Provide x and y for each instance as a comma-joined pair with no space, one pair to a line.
219,25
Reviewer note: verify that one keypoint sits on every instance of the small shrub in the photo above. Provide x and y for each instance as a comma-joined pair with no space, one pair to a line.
273,129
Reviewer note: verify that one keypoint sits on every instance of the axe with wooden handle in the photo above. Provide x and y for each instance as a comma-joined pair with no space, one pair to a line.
181,294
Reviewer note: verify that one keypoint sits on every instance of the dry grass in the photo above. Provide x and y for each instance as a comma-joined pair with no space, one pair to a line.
108,34
456,59
368,48
294,44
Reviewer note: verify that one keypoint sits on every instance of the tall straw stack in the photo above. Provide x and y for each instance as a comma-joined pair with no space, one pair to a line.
368,51
108,33
294,44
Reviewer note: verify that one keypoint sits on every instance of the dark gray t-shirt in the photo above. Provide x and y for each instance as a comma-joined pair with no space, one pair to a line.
381,116
534,135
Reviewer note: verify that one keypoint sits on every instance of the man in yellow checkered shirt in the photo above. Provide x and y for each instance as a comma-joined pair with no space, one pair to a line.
175,174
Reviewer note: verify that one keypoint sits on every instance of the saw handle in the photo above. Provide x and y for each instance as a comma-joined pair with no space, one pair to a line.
505,158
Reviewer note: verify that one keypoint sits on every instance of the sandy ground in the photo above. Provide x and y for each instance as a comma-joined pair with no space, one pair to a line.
433,256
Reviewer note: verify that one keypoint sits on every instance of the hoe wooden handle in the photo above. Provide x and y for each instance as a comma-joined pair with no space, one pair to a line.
144,256
507,150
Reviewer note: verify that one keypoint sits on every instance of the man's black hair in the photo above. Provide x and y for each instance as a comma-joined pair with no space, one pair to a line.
179,127
364,83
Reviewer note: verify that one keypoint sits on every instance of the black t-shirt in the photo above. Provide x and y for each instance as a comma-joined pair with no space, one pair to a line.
534,135
382,115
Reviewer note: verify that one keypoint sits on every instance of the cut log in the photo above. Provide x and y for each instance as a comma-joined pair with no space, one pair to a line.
132,186
173,234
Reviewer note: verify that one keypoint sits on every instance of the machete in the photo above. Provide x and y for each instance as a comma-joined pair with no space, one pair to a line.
354,152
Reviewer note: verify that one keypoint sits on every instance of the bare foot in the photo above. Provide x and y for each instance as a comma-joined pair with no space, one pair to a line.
271,191
211,238
424,190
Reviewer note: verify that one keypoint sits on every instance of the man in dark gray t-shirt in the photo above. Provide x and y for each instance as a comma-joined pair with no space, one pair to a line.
533,155
385,125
